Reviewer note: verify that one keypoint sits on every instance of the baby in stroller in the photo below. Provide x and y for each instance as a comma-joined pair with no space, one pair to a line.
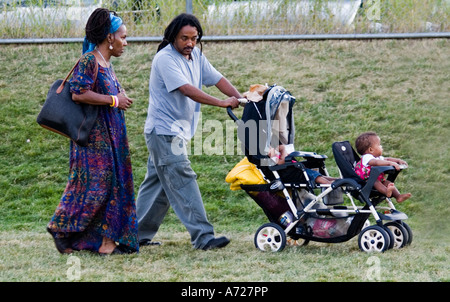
369,147
273,134
292,174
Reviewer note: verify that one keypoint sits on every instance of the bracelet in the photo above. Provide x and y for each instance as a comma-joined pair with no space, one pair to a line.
115,101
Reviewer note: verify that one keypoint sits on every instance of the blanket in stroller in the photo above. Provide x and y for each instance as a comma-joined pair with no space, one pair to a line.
244,173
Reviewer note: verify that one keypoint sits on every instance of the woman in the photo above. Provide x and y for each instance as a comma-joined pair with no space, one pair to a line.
97,209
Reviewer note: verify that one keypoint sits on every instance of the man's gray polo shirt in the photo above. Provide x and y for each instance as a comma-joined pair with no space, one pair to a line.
169,111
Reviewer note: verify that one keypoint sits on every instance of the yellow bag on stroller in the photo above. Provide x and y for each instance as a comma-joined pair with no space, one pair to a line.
244,173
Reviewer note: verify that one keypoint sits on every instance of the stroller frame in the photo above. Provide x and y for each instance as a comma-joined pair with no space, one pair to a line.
299,215
388,234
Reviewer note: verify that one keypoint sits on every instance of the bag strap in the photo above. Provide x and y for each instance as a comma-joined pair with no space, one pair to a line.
61,87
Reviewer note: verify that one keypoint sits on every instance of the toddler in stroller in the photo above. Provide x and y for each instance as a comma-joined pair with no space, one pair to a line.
267,132
299,197
369,147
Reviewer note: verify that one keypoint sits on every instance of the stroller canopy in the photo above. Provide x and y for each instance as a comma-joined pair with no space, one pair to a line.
267,123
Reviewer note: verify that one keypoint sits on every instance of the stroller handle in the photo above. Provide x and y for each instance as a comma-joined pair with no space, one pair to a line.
242,102
231,114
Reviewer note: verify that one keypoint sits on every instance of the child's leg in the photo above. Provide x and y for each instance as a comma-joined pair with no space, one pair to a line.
383,189
396,194
400,197
324,180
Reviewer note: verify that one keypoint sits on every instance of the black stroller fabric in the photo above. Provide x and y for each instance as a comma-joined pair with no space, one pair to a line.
251,131
254,128
346,159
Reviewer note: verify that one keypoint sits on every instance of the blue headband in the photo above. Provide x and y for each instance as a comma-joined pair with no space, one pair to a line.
116,22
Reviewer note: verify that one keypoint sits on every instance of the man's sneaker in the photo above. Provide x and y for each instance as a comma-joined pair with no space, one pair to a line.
216,243
145,242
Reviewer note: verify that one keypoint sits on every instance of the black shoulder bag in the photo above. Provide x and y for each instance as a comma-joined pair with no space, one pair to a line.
62,115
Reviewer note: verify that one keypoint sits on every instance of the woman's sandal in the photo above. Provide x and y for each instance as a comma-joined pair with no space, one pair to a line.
119,250
116,251
63,245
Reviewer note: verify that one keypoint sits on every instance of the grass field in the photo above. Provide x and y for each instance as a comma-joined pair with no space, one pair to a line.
398,88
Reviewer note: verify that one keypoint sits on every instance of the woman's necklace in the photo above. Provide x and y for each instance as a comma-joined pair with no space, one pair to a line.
113,78
100,53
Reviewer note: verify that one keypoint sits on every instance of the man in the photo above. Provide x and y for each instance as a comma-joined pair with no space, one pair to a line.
179,69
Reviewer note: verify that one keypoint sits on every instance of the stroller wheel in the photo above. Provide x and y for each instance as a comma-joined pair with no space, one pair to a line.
391,237
270,237
374,239
410,234
400,234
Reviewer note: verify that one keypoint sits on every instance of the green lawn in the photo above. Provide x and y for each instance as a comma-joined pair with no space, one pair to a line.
398,88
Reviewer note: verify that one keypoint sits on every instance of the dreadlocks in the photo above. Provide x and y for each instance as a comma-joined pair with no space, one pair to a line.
176,25
98,25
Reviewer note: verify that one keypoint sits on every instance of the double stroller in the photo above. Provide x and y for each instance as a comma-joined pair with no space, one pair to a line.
299,209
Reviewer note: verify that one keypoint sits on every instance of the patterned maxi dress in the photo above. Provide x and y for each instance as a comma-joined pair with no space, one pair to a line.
99,197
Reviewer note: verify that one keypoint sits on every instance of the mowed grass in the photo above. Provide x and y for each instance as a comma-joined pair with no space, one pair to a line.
398,88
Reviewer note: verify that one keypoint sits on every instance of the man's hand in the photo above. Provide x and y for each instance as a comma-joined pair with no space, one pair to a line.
231,102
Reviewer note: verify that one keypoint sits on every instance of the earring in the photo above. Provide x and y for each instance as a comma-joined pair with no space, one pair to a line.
110,47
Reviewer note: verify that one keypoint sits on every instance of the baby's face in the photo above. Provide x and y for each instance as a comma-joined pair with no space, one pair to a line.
375,148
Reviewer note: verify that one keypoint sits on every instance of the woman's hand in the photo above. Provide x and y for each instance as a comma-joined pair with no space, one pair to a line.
124,101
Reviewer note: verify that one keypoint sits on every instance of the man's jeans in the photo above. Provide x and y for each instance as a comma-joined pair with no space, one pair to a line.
170,181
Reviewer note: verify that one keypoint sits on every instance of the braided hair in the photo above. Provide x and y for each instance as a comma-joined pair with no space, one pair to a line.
98,25
176,25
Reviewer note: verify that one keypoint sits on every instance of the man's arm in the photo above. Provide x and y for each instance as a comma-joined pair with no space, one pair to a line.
201,97
227,88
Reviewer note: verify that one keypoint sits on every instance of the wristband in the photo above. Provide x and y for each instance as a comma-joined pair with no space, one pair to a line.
115,102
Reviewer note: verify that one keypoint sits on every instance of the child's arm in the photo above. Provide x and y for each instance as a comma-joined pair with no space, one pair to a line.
396,160
384,162
283,154
278,156
274,156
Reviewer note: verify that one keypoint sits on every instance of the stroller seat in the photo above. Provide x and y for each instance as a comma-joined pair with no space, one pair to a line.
268,124
346,159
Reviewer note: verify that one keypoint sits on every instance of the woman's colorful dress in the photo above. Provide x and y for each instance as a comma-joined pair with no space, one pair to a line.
99,197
